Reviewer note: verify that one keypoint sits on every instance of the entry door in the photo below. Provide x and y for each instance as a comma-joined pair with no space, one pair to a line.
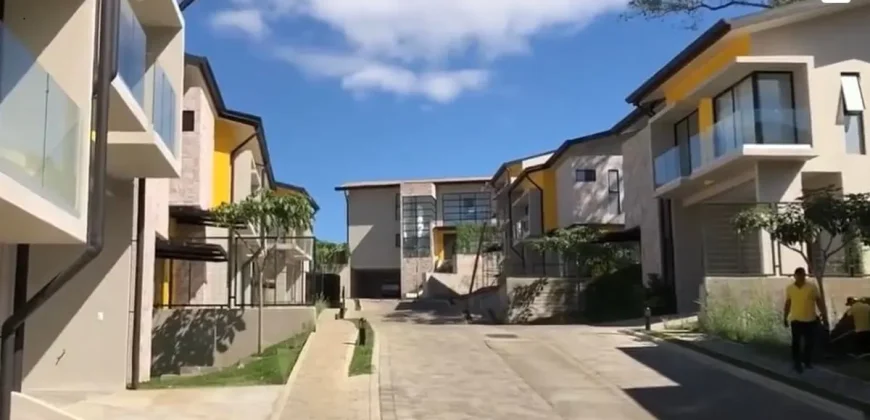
449,246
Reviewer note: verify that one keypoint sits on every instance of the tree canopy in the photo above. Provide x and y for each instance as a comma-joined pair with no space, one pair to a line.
577,245
825,217
330,257
275,212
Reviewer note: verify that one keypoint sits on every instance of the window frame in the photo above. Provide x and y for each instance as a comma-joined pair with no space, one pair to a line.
618,191
454,208
753,77
585,178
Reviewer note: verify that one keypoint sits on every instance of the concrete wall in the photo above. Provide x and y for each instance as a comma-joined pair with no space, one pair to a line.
590,202
218,337
744,289
80,338
641,208
372,228
544,299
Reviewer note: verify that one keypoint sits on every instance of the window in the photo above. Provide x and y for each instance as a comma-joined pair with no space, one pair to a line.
417,215
472,207
398,240
757,110
614,188
853,114
188,121
687,140
584,175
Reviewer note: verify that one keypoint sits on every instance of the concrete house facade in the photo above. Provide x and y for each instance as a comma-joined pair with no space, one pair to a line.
758,110
398,231
226,159
578,184
46,136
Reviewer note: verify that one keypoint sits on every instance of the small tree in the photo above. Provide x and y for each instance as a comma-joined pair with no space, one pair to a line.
577,246
269,212
693,9
818,217
330,256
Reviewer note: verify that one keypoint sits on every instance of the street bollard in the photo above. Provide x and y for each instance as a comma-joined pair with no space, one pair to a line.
362,332
646,318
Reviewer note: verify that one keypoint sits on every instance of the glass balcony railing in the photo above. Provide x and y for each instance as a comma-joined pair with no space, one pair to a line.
666,166
131,52
163,112
762,126
40,127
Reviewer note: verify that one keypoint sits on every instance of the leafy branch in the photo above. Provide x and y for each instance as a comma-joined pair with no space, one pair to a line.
273,212
658,9
578,246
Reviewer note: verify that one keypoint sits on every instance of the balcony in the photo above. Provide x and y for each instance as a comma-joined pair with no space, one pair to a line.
731,145
42,152
296,247
152,153
127,103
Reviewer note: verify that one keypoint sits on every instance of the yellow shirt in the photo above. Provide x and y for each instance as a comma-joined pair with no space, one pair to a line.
860,312
803,302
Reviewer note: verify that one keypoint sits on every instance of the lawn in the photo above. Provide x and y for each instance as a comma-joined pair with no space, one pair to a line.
361,363
272,368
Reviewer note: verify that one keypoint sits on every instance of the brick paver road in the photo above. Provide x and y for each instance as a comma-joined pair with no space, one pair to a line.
433,366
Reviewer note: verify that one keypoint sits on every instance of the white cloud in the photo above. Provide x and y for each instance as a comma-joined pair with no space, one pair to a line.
249,21
393,36
359,75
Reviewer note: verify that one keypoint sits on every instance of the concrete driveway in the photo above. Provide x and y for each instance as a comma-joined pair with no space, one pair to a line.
434,366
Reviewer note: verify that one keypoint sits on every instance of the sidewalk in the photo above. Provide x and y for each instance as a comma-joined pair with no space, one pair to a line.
322,390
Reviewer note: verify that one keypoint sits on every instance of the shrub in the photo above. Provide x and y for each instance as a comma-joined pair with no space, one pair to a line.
752,319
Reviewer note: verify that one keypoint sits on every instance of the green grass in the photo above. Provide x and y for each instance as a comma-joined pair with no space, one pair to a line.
361,363
756,321
271,368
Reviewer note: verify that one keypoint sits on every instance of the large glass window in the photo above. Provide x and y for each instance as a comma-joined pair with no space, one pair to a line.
417,215
852,113
466,207
759,109
686,136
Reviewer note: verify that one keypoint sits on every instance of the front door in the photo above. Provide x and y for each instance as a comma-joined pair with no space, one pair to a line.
449,246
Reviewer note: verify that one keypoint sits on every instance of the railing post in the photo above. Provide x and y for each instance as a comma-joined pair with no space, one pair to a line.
647,314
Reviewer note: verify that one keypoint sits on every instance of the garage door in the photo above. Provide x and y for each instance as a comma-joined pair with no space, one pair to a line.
376,284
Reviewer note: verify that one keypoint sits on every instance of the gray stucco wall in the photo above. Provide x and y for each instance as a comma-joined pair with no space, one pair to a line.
372,228
590,202
641,208
219,337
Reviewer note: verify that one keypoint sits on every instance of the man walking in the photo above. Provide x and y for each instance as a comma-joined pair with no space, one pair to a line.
801,301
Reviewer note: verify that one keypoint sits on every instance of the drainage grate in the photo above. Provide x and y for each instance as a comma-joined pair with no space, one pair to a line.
502,336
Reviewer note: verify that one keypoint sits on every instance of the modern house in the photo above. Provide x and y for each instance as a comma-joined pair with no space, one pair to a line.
578,184
206,282
759,109
53,137
226,159
398,231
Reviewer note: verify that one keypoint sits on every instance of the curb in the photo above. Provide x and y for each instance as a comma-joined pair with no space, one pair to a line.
279,404
861,406
374,380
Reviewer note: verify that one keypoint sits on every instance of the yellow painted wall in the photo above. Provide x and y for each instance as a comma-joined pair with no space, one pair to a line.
705,114
705,66
438,244
514,170
224,142
546,180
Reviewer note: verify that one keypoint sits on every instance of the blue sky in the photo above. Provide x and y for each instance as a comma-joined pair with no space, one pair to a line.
354,90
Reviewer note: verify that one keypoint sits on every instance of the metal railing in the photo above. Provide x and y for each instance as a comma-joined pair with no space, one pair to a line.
237,271
756,253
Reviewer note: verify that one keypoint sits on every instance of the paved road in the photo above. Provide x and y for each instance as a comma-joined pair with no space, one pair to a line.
434,366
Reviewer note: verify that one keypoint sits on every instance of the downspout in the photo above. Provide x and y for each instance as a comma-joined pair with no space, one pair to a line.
347,241
137,283
107,69
543,253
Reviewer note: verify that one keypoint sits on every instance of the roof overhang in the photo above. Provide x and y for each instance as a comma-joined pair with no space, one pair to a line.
189,251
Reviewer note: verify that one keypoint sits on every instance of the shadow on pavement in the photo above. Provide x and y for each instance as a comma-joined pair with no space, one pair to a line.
701,391
430,312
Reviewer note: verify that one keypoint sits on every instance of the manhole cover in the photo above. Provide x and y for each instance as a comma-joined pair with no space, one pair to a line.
502,336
